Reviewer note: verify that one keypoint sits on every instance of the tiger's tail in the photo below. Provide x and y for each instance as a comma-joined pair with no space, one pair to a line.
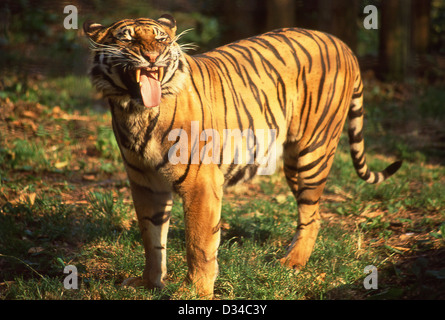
356,140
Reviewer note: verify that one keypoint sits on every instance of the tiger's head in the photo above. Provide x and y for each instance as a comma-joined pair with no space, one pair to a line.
137,59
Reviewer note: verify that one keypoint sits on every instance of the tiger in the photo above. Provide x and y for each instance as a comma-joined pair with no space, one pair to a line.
298,85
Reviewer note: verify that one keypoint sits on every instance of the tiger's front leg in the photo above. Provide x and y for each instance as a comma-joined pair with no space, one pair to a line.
153,211
202,209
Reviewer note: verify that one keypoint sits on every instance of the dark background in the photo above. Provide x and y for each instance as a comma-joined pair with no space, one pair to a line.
409,41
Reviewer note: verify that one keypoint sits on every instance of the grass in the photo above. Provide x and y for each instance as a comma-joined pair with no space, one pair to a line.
65,200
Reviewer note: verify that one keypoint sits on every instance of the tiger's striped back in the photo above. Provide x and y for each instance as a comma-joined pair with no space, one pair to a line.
274,82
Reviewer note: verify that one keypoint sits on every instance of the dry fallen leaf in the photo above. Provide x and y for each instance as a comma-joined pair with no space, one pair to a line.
29,114
281,198
89,177
406,236
60,165
321,277
29,198
35,250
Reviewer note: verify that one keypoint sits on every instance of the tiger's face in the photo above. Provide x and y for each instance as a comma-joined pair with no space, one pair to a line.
139,58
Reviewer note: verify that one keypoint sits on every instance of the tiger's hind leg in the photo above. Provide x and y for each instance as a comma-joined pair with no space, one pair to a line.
307,179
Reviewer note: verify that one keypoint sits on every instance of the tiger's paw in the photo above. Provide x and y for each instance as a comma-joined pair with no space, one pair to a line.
289,263
188,291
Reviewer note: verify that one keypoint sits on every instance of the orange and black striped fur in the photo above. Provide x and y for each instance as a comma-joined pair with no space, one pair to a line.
302,84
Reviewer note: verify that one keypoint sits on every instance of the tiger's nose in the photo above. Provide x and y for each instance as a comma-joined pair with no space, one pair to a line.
151,56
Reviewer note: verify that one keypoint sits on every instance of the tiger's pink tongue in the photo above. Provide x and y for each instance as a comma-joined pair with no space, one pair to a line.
150,90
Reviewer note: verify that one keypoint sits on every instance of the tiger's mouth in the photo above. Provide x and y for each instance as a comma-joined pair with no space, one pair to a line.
149,80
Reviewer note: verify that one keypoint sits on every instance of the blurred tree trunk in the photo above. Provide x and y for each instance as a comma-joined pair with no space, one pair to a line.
241,18
280,13
394,50
420,36
307,14
339,18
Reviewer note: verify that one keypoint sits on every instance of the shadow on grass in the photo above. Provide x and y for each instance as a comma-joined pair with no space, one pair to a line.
416,277
38,240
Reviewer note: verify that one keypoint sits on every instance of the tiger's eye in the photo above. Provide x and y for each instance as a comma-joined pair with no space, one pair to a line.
161,38
125,35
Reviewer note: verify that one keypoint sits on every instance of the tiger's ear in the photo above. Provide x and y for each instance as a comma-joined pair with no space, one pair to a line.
92,29
169,22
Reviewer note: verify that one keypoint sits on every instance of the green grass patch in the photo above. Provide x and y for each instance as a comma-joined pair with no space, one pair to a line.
65,200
